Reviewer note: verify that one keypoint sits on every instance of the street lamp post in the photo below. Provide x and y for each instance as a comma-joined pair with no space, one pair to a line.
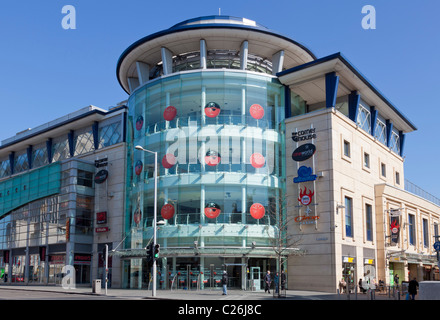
154,215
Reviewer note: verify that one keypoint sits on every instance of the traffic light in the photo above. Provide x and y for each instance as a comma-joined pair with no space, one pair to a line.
156,250
149,252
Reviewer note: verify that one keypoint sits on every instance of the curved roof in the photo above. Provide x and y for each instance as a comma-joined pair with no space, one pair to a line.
219,32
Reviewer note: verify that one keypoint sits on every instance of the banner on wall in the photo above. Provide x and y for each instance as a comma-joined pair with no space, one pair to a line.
395,229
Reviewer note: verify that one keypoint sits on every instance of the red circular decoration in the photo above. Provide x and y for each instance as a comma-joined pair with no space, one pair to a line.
137,216
212,109
139,122
212,158
167,211
257,160
257,111
168,160
257,211
212,210
138,167
169,113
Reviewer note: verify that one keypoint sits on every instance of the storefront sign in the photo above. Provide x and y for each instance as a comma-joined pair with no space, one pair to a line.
304,152
101,176
101,162
82,259
348,259
306,219
57,259
101,217
101,229
304,135
305,174
305,198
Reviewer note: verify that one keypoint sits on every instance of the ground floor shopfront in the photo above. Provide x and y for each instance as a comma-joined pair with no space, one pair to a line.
192,272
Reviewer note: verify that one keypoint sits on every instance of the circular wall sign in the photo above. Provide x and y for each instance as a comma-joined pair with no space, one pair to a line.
168,160
170,113
256,111
304,152
138,167
257,211
167,211
139,122
257,160
212,109
212,210
101,176
212,158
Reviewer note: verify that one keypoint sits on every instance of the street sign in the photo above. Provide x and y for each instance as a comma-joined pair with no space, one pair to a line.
437,245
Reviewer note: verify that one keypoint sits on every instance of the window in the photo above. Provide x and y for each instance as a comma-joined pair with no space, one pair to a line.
397,177
346,148
366,160
395,142
369,222
380,132
383,169
364,119
425,233
412,229
348,217
85,178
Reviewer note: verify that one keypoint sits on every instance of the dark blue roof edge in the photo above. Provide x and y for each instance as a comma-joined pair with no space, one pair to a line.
84,115
339,56
201,26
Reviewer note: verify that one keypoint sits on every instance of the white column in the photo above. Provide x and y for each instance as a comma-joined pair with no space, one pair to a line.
244,51
277,62
143,71
167,61
203,54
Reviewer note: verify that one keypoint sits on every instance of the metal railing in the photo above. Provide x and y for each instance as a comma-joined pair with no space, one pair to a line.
414,189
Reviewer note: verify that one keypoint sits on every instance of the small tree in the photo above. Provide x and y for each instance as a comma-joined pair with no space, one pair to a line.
284,243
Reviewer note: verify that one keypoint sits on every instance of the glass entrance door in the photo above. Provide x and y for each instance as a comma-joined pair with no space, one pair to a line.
255,279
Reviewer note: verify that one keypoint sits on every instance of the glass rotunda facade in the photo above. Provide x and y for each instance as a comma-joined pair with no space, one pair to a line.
215,119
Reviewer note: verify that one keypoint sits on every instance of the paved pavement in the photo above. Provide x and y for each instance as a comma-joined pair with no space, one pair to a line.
197,294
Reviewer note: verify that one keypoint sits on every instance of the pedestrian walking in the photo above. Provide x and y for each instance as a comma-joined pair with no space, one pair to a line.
276,281
283,280
412,288
225,283
267,281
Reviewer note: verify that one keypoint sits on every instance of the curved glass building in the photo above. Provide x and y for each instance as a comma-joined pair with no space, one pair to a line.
204,96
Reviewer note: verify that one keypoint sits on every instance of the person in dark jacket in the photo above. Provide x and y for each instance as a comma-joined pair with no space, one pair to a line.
412,288
225,283
267,281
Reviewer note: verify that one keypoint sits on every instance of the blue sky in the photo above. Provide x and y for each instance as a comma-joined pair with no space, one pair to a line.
47,71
